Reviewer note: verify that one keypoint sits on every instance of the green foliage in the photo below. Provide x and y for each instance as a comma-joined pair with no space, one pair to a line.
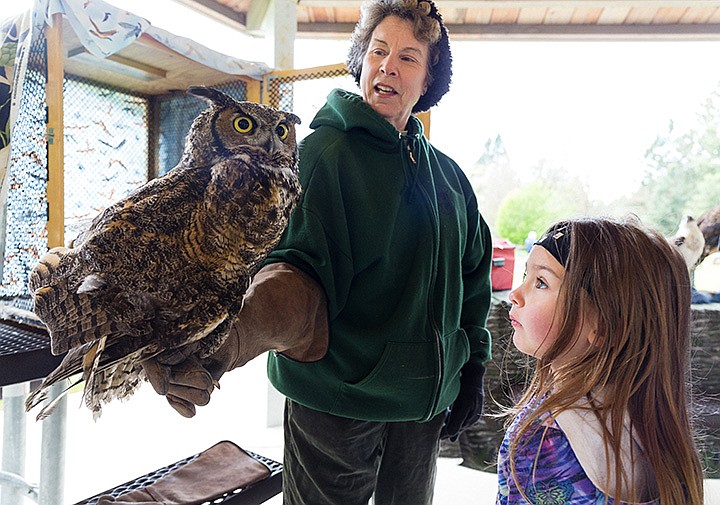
682,178
492,178
523,210
550,196
683,172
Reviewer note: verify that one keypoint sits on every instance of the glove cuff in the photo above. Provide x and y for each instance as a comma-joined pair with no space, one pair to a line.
284,310
472,375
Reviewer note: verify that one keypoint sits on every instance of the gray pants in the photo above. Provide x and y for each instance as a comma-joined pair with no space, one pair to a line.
332,460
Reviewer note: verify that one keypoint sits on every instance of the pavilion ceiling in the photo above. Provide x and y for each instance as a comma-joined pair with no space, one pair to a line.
479,19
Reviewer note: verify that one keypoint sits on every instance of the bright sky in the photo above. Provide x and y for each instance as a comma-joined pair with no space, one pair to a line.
591,107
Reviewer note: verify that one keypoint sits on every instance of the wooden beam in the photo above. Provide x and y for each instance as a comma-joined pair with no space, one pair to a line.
153,138
329,30
256,14
118,64
587,32
543,32
523,4
300,74
217,11
56,150
253,91
283,27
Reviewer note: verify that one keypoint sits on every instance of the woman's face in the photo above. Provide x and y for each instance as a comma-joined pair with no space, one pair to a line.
394,71
532,314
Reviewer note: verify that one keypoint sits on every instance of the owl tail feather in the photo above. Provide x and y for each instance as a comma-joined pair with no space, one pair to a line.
41,394
106,378
73,363
91,363
118,381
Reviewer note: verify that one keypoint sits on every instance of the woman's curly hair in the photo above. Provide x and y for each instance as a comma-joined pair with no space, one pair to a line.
427,27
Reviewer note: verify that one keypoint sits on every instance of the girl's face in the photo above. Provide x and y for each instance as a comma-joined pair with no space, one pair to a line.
394,71
533,308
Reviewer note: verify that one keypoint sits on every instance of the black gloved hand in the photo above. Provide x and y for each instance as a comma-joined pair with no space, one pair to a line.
468,406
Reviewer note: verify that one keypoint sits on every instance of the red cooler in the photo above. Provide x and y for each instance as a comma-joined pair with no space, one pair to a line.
503,264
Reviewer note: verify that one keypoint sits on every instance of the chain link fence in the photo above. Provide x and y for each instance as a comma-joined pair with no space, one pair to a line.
110,148
25,213
176,114
303,92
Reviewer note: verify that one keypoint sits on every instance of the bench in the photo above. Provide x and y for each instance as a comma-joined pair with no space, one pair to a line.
256,493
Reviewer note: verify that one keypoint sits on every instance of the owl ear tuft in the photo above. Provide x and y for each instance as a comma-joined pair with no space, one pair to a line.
292,118
212,95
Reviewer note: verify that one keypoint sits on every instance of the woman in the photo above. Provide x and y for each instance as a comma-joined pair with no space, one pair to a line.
377,296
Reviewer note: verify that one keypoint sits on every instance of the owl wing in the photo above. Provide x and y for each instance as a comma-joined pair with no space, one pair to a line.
139,198
110,306
104,286
159,273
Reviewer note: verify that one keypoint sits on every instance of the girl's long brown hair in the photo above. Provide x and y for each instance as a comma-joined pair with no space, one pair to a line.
639,287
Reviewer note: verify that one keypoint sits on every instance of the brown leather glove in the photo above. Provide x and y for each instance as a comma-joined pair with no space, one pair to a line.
284,310
223,468
184,385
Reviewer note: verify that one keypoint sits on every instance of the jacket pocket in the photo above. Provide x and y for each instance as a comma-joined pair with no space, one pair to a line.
456,352
399,388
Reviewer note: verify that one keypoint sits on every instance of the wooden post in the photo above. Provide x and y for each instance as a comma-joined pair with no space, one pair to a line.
56,152
52,457
252,90
424,118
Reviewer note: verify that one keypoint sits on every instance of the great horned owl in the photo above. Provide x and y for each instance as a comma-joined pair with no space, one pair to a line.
162,272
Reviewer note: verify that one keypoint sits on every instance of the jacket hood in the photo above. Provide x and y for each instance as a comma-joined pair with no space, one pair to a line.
346,111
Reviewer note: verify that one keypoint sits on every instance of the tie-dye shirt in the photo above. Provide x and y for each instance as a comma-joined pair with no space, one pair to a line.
547,469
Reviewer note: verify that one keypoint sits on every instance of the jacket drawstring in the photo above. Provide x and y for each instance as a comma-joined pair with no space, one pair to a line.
411,144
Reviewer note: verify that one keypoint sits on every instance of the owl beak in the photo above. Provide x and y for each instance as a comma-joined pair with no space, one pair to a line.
272,145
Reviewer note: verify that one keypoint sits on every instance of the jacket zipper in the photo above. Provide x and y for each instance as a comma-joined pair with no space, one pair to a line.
431,312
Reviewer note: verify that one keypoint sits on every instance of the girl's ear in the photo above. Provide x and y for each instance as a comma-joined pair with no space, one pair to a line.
594,338
590,324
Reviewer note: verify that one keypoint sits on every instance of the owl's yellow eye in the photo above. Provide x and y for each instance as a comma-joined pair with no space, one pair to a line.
243,124
282,131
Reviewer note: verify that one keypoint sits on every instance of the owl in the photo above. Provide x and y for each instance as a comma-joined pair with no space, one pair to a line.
161,273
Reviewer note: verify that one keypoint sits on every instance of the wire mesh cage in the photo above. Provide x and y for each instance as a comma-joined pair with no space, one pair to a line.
25,213
115,140
303,92
106,148
176,113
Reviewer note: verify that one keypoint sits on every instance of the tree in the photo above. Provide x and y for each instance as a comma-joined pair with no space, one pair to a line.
523,210
551,195
492,178
682,175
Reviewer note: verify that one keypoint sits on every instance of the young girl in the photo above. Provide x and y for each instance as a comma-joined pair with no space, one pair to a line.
604,308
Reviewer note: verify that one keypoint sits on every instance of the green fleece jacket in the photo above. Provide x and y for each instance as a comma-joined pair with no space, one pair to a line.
389,227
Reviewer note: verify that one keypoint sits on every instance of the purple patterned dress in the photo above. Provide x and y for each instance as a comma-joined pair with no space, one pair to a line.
547,469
